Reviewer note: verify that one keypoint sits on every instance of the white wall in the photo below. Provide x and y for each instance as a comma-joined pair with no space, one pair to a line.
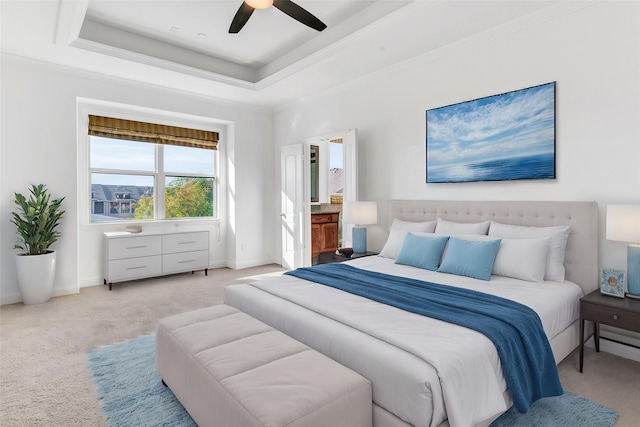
39,144
593,55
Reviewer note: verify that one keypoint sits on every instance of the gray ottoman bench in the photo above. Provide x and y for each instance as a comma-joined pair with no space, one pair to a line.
231,370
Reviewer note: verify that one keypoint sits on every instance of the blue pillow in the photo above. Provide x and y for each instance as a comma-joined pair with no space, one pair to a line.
422,251
470,258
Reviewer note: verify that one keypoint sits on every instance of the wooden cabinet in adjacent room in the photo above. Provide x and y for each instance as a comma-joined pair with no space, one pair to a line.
324,233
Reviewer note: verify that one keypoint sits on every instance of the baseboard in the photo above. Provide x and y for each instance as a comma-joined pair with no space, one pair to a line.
252,263
66,290
11,298
93,281
16,297
622,350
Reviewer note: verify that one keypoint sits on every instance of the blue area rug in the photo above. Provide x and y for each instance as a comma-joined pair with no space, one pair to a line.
568,410
130,389
131,394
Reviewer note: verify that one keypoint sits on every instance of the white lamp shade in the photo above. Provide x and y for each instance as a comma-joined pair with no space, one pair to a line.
360,213
623,223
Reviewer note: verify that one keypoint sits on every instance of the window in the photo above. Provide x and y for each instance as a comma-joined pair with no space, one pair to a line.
143,171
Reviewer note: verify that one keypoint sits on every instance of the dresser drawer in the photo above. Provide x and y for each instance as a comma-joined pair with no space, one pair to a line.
185,261
611,316
134,268
133,247
185,242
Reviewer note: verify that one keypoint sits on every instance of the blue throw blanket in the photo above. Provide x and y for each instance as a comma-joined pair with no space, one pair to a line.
516,330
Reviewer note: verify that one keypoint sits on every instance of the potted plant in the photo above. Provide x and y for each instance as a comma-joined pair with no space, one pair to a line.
36,221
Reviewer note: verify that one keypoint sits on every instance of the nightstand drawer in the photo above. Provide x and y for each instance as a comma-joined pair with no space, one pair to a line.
611,316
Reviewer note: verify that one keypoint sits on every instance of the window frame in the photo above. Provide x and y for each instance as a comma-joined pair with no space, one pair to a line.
85,204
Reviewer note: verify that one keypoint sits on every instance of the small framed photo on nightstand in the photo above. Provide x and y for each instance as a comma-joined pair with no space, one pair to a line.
612,282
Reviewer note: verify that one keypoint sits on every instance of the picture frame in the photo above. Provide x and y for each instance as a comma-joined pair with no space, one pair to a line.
504,137
612,282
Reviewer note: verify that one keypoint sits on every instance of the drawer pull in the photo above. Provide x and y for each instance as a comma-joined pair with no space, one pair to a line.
186,243
615,317
136,268
187,260
136,247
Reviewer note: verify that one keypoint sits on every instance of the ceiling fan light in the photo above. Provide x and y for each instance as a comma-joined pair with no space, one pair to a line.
259,4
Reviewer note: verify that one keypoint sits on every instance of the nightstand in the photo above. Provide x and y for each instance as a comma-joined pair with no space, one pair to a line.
623,313
333,257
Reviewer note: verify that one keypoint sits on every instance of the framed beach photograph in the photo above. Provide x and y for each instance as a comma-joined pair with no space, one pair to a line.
510,136
612,282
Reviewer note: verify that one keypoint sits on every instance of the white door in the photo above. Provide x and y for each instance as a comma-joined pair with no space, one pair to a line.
292,201
350,174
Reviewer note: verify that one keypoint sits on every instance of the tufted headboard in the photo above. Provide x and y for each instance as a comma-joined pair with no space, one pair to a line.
581,256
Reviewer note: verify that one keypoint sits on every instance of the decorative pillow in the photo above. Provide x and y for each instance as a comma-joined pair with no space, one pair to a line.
422,251
524,259
558,234
450,227
470,258
399,229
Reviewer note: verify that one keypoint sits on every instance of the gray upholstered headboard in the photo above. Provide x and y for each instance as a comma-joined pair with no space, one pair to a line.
581,257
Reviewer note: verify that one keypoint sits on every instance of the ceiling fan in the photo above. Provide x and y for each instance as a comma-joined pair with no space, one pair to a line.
287,6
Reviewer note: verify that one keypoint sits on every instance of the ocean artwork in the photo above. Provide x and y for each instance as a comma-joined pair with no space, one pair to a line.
503,137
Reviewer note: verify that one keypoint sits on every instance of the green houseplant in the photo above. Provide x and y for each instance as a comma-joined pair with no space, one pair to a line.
36,219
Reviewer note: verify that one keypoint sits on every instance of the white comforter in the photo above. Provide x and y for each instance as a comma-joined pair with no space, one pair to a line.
462,378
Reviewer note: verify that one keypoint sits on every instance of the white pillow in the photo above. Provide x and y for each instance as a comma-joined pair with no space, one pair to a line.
399,230
425,227
451,228
523,259
558,235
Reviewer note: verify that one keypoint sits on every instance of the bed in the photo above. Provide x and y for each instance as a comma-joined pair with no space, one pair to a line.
426,372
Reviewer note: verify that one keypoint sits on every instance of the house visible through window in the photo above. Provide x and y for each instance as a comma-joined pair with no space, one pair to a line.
142,171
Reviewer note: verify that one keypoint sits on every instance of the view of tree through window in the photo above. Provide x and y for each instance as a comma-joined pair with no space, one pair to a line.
144,181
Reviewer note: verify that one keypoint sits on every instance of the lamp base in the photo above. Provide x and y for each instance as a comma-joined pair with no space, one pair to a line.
633,271
359,237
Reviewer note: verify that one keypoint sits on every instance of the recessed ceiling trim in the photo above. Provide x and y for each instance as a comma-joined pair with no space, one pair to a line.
70,18
336,36
117,38
159,63
351,41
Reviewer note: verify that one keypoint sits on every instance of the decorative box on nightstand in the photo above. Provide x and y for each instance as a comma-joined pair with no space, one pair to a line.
334,257
621,313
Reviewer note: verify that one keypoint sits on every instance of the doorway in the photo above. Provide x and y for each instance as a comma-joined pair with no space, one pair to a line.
328,165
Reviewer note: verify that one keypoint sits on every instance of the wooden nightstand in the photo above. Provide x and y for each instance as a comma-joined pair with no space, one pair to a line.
623,313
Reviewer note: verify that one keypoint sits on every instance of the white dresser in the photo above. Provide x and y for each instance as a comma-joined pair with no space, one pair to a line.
130,256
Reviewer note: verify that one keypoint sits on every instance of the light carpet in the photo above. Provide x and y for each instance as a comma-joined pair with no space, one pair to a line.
131,393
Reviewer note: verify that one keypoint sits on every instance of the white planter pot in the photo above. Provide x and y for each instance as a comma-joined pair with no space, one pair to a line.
35,276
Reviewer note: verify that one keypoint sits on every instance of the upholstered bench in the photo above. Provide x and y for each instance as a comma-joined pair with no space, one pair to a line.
231,370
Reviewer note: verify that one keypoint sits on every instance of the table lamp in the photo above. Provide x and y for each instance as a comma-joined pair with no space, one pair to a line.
359,214
623,224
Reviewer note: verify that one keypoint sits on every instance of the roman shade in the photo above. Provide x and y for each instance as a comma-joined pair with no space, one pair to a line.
109,127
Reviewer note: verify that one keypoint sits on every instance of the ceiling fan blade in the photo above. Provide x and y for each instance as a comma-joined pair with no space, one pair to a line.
299,14
242,16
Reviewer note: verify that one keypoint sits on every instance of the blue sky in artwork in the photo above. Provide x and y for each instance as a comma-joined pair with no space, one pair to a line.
515,124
